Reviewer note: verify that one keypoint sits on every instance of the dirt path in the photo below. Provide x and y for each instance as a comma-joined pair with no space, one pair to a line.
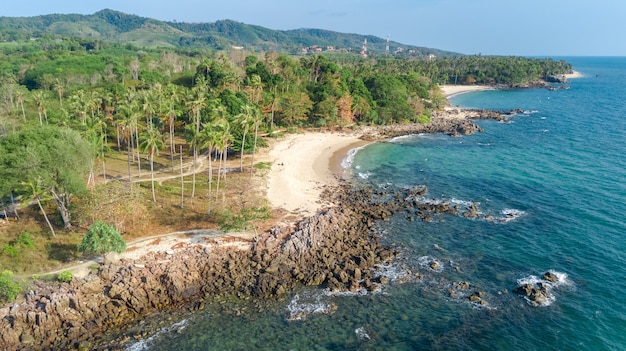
165,243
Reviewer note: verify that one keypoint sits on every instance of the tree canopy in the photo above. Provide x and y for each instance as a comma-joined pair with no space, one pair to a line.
102,239
57,157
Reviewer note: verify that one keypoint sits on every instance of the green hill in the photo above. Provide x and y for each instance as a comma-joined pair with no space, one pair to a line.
110,25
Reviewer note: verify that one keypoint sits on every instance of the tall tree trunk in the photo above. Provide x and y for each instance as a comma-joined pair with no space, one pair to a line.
152,174
137,148
63,203
243,143
193,173
117,133
14,207
104,169
172,146
208,211
46,217
256,135
219,174
182,179
130,180
23,111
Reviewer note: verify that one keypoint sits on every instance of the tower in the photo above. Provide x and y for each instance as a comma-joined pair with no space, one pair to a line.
387,47
364,48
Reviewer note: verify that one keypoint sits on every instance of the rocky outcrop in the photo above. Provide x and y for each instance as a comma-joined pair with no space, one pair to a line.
334,249
454,122
538,292
558,78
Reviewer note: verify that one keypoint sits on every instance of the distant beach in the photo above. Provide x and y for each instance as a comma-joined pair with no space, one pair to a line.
453,90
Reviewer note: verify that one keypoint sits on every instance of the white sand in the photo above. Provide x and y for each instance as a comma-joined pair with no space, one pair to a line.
574,75
301,167
451,90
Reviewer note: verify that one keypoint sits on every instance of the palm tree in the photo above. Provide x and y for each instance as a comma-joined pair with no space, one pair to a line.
209,139
35,191
243,119
223,141
170,114
193,138
20,96
127,114
257,118
40,101
196,103
79,105
59,89
152,140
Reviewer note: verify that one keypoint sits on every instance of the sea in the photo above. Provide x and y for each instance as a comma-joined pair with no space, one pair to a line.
550,189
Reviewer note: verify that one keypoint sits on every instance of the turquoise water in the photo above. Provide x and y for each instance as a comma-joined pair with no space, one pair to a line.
553,182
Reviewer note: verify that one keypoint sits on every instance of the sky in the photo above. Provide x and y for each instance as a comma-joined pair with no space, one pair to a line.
489,27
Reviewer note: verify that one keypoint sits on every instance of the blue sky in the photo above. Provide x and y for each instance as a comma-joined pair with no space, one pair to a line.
488,27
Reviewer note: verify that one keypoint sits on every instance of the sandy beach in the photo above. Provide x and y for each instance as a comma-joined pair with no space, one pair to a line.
302,164
452,90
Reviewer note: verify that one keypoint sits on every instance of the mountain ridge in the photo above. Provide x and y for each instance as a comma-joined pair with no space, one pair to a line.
116,26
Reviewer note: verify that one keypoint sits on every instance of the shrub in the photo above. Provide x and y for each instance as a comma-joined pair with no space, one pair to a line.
65,276
10,250
9,289
229,221
423,119
25,241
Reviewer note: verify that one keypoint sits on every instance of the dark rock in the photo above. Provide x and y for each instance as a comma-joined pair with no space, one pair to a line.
550,276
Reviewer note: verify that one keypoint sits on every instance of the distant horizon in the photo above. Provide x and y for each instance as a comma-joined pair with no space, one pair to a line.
479,27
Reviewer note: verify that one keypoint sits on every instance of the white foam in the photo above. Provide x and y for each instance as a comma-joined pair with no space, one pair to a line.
362,334
562,280
310,304
404,137
430,263
509,214
144,345
393,272
347,162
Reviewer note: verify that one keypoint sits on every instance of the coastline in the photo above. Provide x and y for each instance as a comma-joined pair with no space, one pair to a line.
450,91
187,269
303,165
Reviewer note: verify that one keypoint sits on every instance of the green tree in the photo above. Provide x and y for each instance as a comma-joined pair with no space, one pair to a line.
34,191
9,289
40,101
152,140
101,239
59,157
243,120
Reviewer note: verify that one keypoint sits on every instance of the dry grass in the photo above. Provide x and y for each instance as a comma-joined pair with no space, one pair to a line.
239,190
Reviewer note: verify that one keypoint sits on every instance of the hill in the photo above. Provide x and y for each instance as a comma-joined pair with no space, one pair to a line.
110,25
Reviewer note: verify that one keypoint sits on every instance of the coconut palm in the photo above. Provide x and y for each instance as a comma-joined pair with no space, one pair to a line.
256,118
34,191
196,102
20,96
243,120
151,141
40,101
224,138
209,139
59,89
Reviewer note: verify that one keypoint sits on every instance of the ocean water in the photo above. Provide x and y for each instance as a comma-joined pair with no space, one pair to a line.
551,191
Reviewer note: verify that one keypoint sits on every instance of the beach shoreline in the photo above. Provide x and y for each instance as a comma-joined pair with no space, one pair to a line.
450,91
303,165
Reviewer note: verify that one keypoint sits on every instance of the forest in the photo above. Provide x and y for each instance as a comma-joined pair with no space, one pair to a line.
79,118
